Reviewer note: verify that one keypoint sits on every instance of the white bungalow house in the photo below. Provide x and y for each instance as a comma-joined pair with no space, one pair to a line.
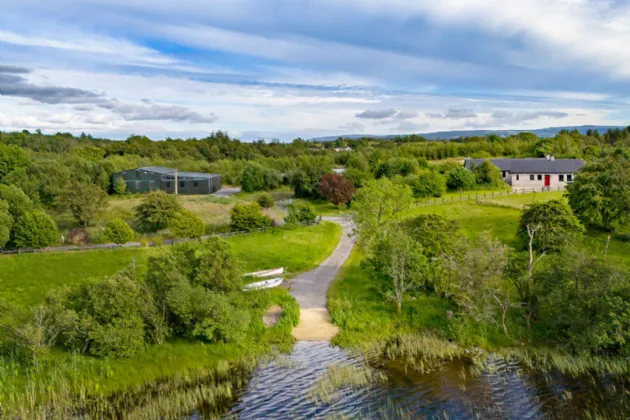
534,173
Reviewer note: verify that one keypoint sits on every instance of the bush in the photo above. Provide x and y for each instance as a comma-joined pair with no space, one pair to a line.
253,178
156,211
460,179
428,184
266,201
301,211
199,286
78,236
120,186
186,224
106,318
34,229
248,218
118,232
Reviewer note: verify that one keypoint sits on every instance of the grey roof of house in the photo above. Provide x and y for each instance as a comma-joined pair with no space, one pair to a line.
170,171
532,165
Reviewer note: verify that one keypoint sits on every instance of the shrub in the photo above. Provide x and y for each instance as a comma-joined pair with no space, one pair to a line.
107,318
301,211
248,218
78,236
253,178
336,189
120,186
266,201
156,211
186,224
459,179
34,229
118,232
428,184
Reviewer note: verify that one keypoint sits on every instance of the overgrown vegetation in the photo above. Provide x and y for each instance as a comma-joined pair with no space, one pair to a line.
131,341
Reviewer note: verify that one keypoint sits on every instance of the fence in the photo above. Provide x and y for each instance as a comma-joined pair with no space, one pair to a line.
477,196
97,247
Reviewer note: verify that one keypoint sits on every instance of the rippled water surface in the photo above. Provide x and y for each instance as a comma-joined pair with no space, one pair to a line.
281,389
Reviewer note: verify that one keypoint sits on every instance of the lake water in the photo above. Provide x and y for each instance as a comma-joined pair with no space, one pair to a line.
281,389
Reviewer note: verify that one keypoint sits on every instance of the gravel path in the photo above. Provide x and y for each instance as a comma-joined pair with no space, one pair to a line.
309,289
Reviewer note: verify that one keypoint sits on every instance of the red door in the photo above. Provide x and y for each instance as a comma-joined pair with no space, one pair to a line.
547,180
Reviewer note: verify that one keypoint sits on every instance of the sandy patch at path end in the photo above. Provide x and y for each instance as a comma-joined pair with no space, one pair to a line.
315,325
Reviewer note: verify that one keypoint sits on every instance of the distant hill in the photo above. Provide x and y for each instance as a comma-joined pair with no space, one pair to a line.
447,135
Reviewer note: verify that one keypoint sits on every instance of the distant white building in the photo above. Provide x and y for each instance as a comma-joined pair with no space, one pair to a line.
534,173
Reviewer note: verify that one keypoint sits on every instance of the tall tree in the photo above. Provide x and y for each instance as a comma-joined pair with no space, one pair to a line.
377,205
156,211
554,223
600,194
85,201
336,189
398,258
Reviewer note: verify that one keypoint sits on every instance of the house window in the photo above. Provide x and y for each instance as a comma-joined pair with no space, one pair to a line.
561,178
168,185
569,178
181,184
195,184
540,177
531,177
503,174
518,177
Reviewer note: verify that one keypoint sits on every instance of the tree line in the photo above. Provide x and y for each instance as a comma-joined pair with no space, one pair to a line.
43,175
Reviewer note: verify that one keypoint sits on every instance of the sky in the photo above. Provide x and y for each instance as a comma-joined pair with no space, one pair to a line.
305,68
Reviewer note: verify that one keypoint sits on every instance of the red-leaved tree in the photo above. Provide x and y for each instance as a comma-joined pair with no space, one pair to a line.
336,189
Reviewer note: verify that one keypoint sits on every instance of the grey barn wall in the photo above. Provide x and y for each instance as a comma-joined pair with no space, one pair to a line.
138,182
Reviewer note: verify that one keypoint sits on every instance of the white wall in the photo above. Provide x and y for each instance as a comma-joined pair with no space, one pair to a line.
524,181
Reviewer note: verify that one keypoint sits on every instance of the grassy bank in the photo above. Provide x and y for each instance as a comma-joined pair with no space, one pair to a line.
174,371
25,279
181,372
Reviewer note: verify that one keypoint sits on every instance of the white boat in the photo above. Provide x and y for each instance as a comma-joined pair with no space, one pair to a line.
265,284
266,273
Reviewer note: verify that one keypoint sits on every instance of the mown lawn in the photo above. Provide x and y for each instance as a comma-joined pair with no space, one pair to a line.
26,279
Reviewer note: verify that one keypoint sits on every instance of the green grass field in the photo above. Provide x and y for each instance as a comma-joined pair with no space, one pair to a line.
25,279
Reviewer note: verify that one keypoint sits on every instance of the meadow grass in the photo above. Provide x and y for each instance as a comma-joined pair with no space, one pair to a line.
26,279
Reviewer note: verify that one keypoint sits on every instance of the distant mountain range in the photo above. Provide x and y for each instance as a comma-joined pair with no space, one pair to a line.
447,135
